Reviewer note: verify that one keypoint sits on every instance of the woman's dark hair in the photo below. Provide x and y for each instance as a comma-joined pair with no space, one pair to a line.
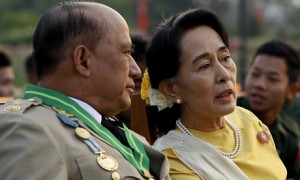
59,30
284,51
163,57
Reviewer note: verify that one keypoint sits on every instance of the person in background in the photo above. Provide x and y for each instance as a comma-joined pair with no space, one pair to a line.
7,77
270,81
65,128
193,81
140,42
30,70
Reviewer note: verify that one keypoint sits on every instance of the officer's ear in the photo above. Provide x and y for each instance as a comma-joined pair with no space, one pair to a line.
82,60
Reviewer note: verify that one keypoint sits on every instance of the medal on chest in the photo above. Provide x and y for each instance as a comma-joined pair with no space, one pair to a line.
105,161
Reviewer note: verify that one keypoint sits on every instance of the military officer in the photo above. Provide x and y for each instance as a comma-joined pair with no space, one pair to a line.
64,128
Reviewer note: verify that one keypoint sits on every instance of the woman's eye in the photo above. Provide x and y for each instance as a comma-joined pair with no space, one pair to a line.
205,66
226,58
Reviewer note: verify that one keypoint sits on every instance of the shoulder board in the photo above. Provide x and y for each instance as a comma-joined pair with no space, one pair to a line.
19,105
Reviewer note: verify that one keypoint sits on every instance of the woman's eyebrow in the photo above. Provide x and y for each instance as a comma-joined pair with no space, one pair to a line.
199,57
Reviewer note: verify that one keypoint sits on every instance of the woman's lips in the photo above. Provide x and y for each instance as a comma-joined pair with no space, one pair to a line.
225,96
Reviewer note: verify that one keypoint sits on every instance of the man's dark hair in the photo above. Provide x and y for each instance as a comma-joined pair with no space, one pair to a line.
4,60
59,30
163,57
288,53
140,43
29,64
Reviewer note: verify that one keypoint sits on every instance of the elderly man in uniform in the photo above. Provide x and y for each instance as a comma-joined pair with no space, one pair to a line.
65,128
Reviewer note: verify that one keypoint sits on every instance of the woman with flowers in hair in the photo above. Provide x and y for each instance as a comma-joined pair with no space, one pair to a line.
191,78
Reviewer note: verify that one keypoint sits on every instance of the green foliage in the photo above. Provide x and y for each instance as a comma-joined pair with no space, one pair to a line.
17,30
18,18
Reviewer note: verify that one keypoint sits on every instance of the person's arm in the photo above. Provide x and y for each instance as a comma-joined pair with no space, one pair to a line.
27,151
178,170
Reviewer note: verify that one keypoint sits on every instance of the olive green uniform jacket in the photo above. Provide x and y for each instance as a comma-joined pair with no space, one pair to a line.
293,109
35,144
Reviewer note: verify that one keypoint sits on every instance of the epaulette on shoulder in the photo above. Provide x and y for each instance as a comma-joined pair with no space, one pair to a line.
20,105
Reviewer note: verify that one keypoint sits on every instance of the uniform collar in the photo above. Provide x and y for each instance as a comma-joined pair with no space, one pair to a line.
89,109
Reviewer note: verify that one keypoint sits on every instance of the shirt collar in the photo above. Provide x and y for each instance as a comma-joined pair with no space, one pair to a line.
89,109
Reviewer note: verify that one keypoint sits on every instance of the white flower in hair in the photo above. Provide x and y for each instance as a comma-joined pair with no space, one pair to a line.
158,99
